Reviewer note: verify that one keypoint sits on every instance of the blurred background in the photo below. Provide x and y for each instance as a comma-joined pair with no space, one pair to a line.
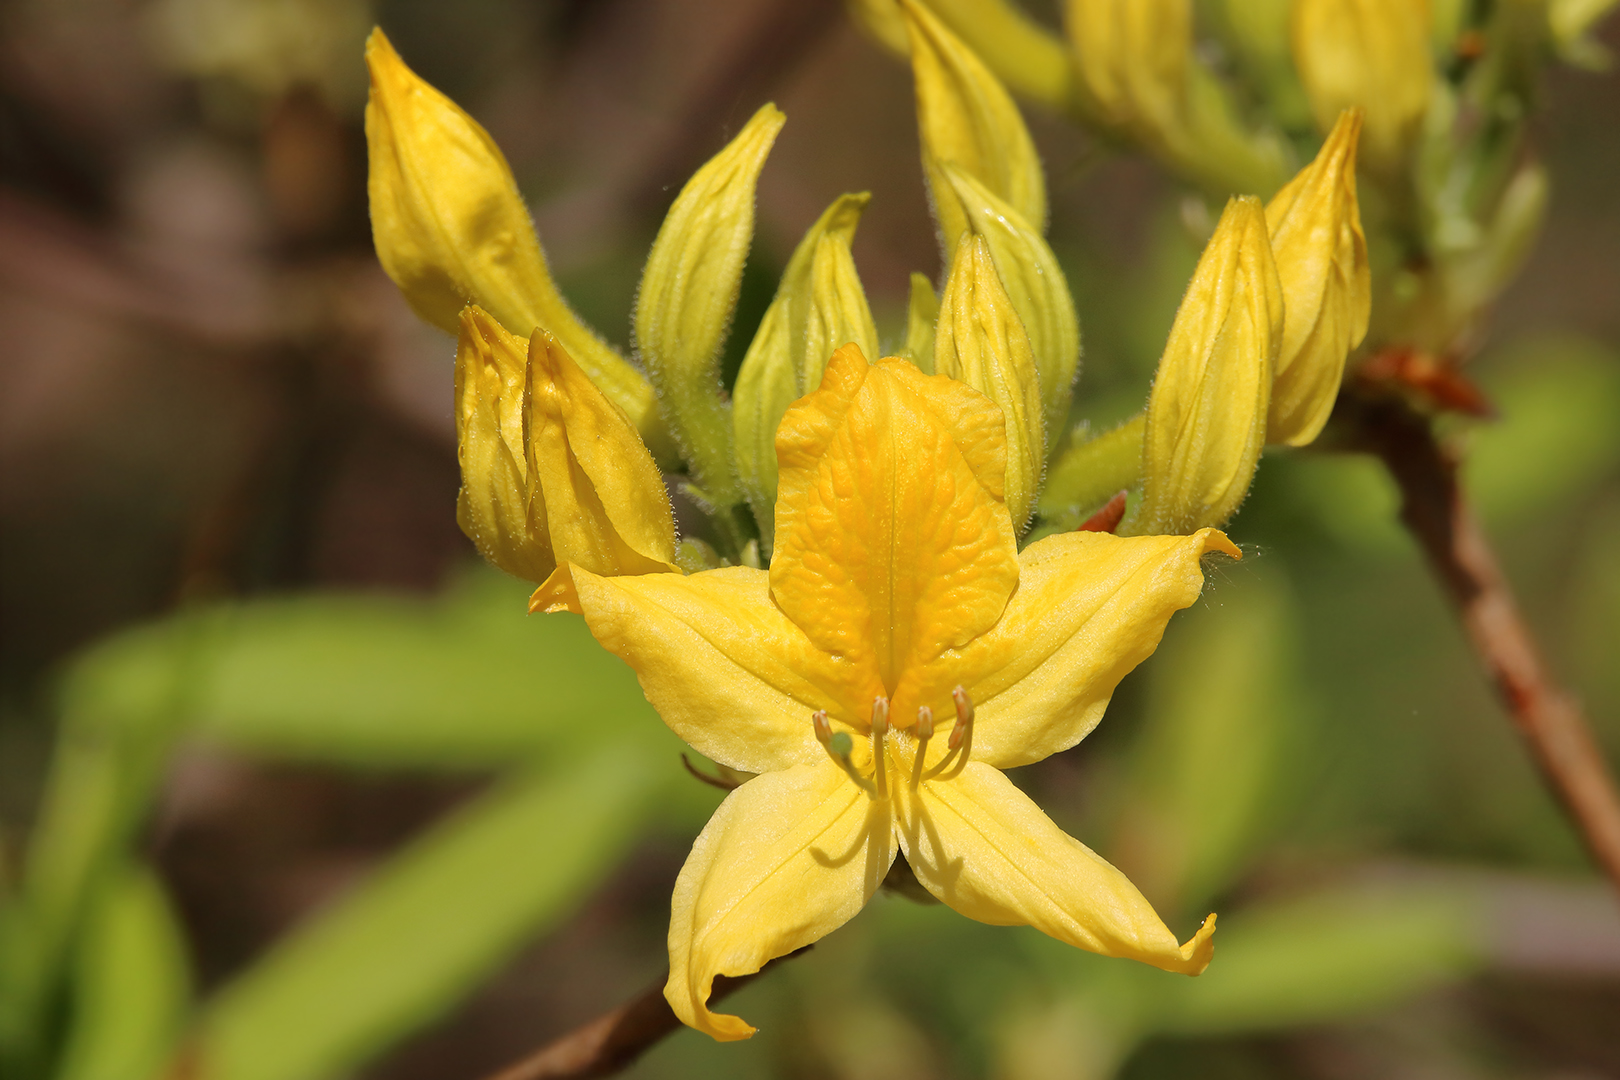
290,787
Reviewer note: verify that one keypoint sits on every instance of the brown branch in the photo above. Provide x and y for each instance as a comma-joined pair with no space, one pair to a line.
1434,509
615,1039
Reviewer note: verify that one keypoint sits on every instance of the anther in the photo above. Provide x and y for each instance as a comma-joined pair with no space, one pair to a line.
880,729
818,720
924,731
925,723
964,719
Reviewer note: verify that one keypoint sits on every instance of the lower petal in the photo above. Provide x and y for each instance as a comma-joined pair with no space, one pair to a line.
983,847
789,857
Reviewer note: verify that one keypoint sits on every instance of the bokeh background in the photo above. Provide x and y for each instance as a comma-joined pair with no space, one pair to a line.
310,796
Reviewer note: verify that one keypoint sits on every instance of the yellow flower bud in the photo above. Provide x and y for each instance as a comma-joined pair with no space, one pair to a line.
1371,53
922,312
980,341
838,311
967,119
1206,418
819,306
552,471
1132,59
688,292
590,478
1035,282
451,229
493,506
1025,55
1321,254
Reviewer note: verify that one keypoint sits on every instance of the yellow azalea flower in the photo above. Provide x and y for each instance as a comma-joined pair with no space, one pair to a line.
898,654
451,229
1321,253
551,471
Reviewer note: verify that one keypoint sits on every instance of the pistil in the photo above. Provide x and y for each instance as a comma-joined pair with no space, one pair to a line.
880,730
838,747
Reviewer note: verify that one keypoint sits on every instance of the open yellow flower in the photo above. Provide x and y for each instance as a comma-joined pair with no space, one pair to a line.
896,595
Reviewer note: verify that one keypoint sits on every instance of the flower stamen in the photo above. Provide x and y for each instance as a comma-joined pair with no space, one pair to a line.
960,743
923,732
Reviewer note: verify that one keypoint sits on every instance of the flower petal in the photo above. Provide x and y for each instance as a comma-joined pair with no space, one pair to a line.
603,497
788,858
724,668
1088,609
892,540
983,847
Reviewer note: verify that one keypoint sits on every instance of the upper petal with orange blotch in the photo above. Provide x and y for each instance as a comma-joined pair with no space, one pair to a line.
893,544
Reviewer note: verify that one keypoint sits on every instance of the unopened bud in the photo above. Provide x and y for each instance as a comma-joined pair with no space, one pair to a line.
967,118
493,505
1371,53
1036,286
552,472
819,306
450,229
1321,254
1206,417
980,341
688,291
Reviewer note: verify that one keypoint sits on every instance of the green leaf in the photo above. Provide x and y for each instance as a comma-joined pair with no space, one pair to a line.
410,942
1326,958
1205,768
112,745
132,984
468,681
1557,437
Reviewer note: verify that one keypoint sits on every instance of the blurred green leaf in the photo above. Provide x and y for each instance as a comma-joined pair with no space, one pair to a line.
1557,437
1204,770
1350,497
113,741
1326,957
470,680
1593,621
131,985
408,943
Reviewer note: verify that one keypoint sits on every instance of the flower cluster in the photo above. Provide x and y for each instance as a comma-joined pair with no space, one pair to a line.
885,616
